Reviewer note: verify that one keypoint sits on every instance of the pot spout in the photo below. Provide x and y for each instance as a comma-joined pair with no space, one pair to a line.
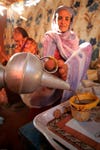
52,81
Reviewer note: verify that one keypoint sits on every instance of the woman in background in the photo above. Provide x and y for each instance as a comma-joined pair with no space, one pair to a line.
23,43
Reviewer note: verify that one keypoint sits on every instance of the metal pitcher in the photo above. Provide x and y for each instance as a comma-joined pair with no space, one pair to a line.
24,73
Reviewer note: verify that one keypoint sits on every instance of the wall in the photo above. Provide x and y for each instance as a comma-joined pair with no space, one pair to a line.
86,23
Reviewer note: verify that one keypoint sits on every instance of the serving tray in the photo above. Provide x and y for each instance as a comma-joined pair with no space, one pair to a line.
67,133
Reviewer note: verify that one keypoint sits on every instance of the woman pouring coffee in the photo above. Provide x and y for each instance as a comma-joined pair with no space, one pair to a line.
63,44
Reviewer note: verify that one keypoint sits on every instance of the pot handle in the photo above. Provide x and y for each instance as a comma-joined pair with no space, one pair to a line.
44,59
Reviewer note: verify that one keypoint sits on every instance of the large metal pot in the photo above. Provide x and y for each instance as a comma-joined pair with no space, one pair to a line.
24,73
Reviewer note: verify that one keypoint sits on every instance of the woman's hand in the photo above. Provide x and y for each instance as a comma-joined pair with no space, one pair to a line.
50,65
62,69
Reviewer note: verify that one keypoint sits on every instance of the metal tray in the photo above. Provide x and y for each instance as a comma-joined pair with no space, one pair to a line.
89,129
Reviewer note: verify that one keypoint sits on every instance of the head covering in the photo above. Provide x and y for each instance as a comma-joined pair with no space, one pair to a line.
54,26
21,31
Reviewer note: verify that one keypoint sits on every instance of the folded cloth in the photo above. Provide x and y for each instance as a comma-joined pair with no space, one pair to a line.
96,91
92,74
89,86
89,83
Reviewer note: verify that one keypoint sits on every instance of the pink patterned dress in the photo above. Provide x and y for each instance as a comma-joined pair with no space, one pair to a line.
77,57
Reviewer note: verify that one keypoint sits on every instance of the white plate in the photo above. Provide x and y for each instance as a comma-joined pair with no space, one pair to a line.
41,121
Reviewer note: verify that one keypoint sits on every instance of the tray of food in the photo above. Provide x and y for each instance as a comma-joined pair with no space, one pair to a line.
64,132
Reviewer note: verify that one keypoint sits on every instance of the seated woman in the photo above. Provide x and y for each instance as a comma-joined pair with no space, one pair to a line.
23,42
62,43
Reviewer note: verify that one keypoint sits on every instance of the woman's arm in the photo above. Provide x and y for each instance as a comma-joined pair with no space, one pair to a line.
34,48
4,56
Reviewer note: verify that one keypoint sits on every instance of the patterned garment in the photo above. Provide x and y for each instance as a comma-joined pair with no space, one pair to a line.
76,56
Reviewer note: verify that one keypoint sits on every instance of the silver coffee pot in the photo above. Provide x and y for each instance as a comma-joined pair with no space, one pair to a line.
24,73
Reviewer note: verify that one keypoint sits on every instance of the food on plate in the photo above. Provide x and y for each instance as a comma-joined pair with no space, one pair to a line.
67,109
57,113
